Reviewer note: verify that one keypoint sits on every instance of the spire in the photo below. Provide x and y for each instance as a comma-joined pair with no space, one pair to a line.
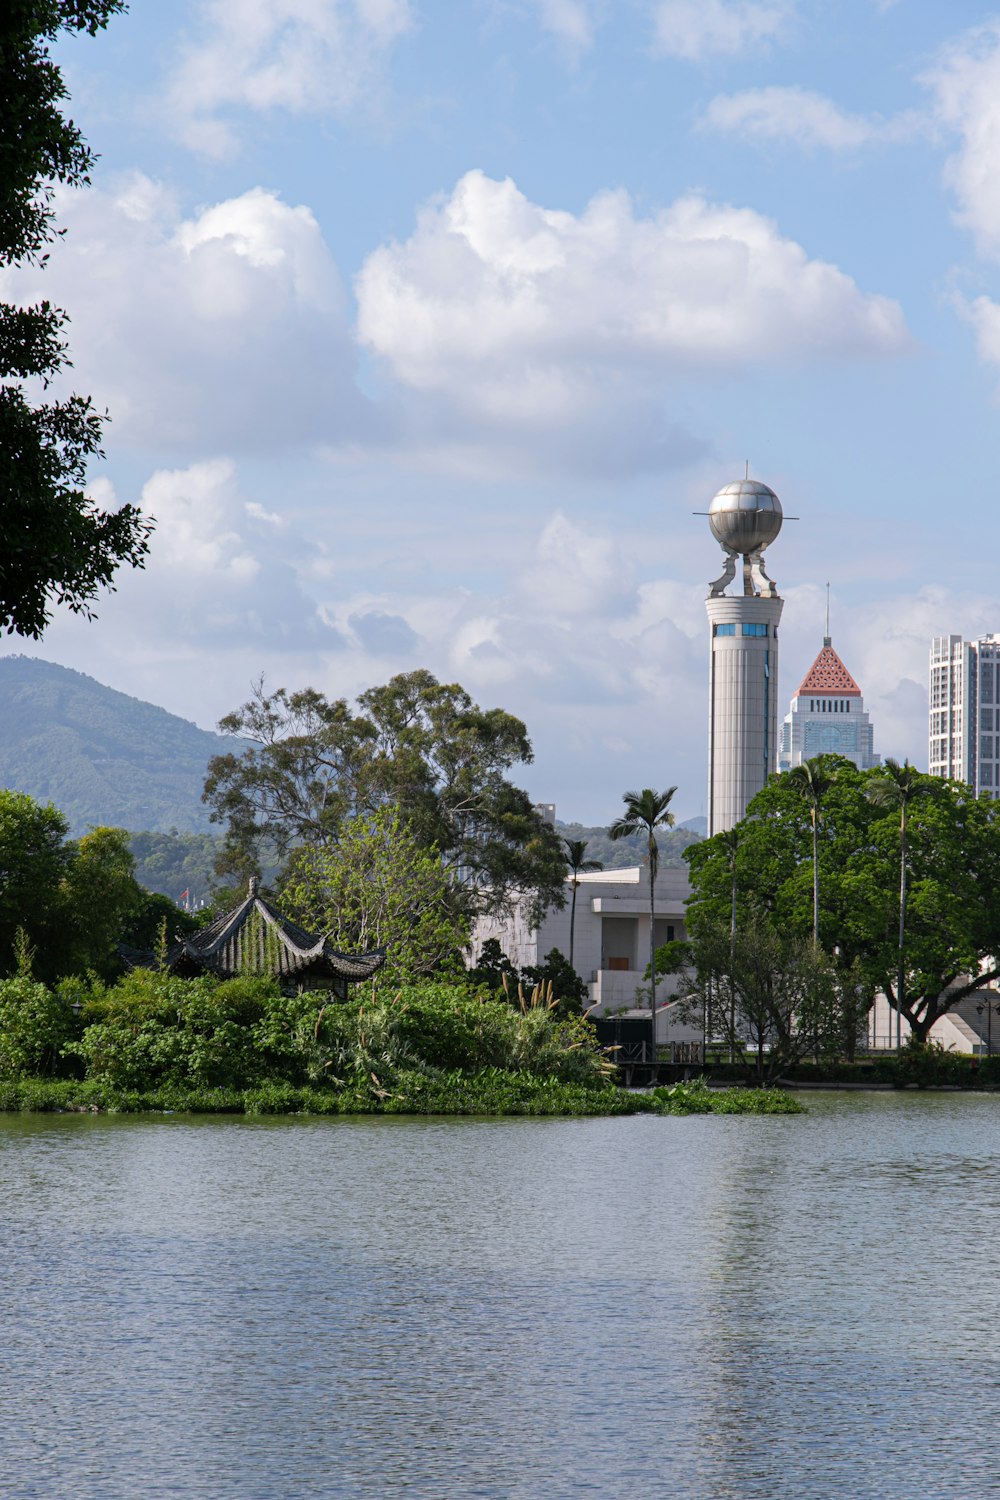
829,675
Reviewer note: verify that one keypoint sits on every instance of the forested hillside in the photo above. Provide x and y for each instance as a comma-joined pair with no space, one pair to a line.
100,756
619,854
173,863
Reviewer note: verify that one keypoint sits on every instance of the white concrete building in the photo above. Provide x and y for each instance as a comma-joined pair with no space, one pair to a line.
611,941
964,712
827,716
743,666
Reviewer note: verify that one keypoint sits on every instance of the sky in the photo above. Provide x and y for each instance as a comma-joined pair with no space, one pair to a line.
426,326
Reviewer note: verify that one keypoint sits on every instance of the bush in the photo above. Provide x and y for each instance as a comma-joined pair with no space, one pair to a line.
696,1098
152,1029
554,978
35,1025
442,1026
156,1042
925,1065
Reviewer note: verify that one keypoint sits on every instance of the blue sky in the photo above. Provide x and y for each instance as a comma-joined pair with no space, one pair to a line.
426,326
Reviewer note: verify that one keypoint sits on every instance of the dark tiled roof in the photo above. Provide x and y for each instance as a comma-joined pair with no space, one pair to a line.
254,938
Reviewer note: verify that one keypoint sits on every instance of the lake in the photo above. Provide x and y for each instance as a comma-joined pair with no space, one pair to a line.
693,1308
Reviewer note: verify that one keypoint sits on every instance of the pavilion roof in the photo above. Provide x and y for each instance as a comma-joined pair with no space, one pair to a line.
254,938
829,675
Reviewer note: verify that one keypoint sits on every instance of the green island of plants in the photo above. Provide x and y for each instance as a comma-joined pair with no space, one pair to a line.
155,1042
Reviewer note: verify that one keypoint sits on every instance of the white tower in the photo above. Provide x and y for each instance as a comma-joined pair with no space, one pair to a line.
745,517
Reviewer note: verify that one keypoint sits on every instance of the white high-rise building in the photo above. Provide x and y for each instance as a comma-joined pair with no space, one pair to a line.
827,716
743,674
964,721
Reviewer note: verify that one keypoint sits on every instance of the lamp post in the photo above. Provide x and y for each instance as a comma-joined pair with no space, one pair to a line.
989,1008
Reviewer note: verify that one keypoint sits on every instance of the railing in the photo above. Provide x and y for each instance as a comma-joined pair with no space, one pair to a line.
640,1054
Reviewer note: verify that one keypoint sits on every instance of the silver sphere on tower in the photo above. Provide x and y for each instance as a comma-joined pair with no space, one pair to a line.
745,516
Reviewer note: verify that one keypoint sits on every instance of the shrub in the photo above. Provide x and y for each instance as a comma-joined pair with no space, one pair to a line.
696,1098
926,1065
153,1028
34,1026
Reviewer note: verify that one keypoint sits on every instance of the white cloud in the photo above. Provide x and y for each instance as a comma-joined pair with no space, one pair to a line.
803,118
574,571
219,572
966,85
693,29
301,56
983,314
571,22
516,317
200,333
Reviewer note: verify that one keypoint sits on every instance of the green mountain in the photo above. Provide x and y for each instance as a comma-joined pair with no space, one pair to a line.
100,756
618,854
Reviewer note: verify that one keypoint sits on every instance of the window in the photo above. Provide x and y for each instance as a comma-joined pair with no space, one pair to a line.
986,720
986,775
723,629
752,628
663,932
986,747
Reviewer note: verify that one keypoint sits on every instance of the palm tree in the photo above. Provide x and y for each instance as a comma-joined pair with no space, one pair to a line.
729,842
812,784
900,786
647,810
576,850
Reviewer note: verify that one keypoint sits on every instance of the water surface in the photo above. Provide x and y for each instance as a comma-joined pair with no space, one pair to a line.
698,1308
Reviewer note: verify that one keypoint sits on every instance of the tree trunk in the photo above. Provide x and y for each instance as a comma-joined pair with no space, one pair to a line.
815,880
652,963
901,966
572,923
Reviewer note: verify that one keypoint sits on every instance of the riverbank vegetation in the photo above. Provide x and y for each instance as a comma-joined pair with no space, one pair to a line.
156,1042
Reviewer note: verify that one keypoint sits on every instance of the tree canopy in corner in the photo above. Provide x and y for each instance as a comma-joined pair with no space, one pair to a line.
56,544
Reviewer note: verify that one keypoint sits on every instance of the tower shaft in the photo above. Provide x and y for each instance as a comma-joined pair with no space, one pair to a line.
743,702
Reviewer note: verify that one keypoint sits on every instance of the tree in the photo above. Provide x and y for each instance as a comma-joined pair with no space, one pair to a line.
156,917
34,858
785,997
379,887
102,898
418,745
812,781
900,786
556,977
953,886
646,811
492,968
56,545
578,864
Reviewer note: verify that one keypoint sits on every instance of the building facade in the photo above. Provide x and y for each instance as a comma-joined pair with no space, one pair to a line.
964,712
743,641
827,717
610,941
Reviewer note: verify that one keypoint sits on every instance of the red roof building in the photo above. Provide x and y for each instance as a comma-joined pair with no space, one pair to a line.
827,716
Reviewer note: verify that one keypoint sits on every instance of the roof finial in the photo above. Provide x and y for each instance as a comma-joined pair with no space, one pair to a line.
253,885
746,471
826,638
